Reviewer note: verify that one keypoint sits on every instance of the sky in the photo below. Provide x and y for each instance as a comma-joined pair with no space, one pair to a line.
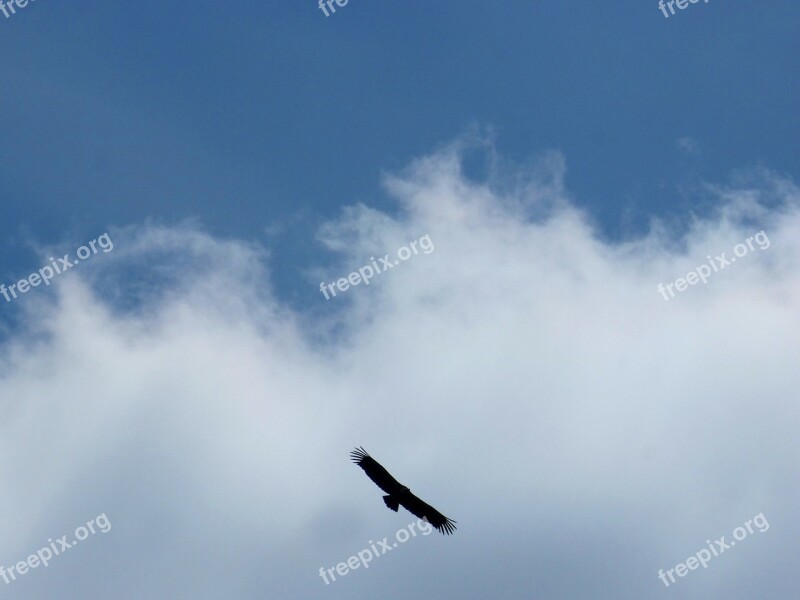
584,349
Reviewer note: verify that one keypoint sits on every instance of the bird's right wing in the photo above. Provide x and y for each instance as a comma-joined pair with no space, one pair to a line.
423,510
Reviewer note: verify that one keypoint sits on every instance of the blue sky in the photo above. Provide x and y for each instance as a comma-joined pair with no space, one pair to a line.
525,376
245,115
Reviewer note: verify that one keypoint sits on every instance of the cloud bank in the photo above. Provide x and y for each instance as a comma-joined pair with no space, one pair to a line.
526,378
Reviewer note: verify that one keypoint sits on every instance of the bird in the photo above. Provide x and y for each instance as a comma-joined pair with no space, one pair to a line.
400,495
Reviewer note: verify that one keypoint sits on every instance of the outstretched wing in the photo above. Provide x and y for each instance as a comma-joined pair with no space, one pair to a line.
423,510
376,472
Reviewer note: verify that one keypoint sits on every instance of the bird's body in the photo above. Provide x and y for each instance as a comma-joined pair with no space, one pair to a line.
398,494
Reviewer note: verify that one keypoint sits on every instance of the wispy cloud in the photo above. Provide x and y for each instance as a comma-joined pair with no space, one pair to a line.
689,145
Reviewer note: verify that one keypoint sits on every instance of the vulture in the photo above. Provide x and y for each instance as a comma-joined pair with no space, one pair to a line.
400,495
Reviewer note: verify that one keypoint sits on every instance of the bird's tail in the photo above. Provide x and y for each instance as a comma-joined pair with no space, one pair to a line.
391,502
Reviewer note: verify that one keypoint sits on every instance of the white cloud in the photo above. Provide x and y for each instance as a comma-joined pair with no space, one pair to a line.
690,145
525,378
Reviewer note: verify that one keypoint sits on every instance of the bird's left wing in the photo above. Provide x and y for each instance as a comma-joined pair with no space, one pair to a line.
375,471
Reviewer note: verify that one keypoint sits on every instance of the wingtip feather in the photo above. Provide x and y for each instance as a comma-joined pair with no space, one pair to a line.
358,455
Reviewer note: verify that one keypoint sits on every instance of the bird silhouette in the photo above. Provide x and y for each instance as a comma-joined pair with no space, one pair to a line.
400,495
